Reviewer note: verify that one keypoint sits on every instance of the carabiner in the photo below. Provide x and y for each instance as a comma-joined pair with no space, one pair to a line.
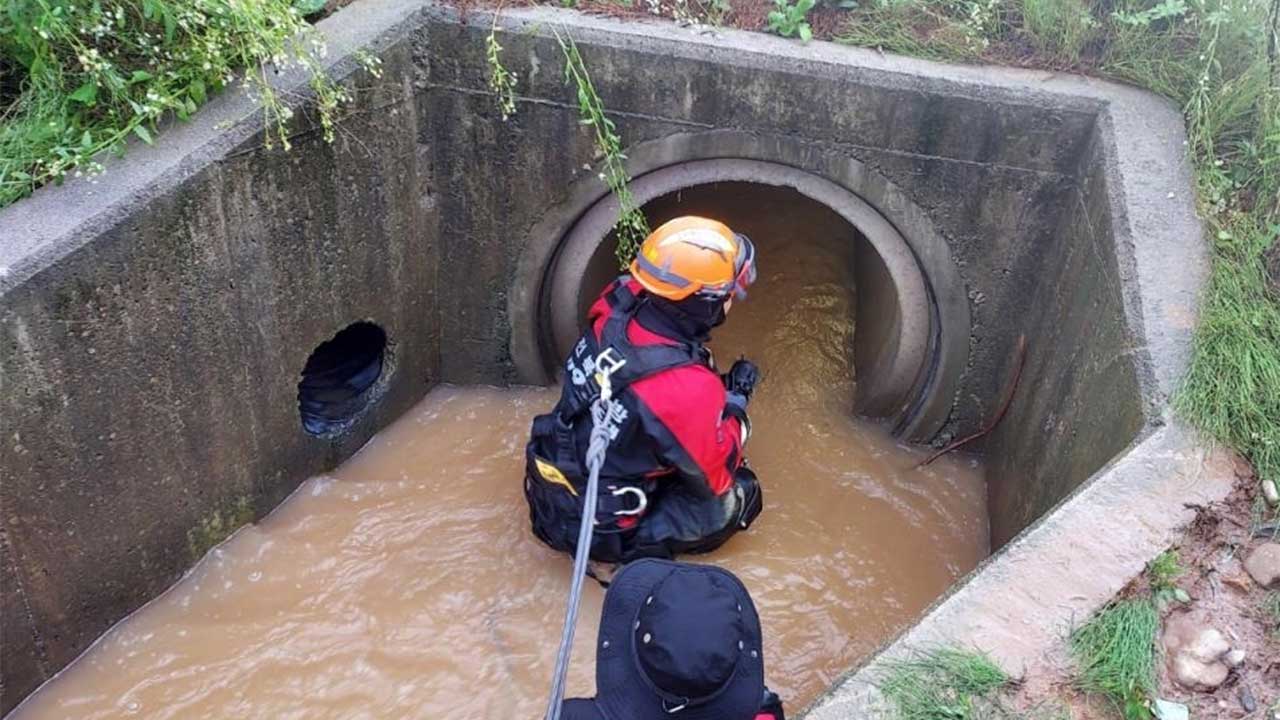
641,498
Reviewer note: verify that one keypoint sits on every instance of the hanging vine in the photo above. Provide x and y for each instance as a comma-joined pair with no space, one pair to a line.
632,227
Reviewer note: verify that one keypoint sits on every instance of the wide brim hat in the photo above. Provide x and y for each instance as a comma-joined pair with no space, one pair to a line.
721,613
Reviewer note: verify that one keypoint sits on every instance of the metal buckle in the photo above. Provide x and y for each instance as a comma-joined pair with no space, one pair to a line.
641,499
607,363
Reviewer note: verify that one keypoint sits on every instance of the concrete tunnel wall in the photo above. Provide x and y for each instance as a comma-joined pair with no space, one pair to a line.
154,324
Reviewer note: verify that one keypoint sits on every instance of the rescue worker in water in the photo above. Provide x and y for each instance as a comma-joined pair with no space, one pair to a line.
674,479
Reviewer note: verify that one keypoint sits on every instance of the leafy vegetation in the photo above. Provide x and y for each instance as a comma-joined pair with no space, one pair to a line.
1218,60
502,82
790,20
86,75
632,227
1164,570
1115,655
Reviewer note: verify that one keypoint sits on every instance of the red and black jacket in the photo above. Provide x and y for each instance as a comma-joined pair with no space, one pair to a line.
671,426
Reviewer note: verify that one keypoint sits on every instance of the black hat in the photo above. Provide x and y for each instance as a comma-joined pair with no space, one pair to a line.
678,639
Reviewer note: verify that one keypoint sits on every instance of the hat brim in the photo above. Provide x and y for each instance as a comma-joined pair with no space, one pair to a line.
622,690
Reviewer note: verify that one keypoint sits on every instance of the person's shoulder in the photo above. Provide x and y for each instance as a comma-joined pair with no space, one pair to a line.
684,385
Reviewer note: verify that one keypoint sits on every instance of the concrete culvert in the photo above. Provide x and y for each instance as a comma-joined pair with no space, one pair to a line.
977,208
339,378
907,354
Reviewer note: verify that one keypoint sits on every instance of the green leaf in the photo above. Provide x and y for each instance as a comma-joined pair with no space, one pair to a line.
806,33
197,91
309,7
143,133
170,27
86,140
86,93
139,76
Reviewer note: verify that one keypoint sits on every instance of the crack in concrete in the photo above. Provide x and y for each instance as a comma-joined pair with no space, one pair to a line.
709,126
42,655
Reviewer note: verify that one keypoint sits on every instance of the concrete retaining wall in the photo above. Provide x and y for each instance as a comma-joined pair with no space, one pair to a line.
153,325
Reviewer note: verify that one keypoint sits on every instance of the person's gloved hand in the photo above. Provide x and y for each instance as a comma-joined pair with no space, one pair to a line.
742,378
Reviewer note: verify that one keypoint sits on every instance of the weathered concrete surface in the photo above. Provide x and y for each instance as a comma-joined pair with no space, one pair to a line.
153,327
1037,209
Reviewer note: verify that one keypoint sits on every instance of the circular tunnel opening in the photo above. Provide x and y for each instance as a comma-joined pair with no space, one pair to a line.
792,217
340,377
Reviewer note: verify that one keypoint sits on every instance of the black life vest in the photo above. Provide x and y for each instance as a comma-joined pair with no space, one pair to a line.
556,473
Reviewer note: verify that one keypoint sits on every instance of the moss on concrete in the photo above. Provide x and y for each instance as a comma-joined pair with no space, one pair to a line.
218,526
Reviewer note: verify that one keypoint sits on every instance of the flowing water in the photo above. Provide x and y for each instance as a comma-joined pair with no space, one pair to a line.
406,583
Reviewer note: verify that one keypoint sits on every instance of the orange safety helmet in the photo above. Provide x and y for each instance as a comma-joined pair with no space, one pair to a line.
693,255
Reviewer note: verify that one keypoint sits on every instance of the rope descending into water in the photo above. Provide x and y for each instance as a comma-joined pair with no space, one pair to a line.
596,448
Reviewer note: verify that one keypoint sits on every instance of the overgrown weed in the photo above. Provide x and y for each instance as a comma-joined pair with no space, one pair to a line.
98,72
941,683
1164,570
1115,655
1059,28
632,227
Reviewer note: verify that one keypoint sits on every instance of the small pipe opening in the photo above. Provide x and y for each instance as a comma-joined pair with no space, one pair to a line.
339,377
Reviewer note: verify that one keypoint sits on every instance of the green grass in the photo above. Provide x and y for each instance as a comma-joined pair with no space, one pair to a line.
1059,28
87,75
942,683
1211,57
1115,654
1164,570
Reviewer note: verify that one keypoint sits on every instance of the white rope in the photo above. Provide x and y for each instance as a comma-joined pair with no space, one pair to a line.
596,448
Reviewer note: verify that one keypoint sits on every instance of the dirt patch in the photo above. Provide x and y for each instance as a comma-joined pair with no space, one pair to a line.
1223,596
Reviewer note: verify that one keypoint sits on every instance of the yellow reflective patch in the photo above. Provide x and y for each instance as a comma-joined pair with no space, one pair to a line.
552,474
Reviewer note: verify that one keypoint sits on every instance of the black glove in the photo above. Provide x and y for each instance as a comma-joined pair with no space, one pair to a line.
742,378
771,705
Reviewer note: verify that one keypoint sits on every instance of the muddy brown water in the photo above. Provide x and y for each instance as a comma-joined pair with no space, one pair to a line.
406,583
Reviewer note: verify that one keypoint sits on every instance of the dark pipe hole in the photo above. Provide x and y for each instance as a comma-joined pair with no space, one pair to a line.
338,379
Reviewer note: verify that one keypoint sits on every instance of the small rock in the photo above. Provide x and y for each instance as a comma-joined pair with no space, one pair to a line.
1195,650
1240,582
1270,492
1263,565
1169,710
1208,646
1247,700
1195,675
1234,659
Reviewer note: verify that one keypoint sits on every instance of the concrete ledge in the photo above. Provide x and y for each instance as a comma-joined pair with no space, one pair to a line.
1022,603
